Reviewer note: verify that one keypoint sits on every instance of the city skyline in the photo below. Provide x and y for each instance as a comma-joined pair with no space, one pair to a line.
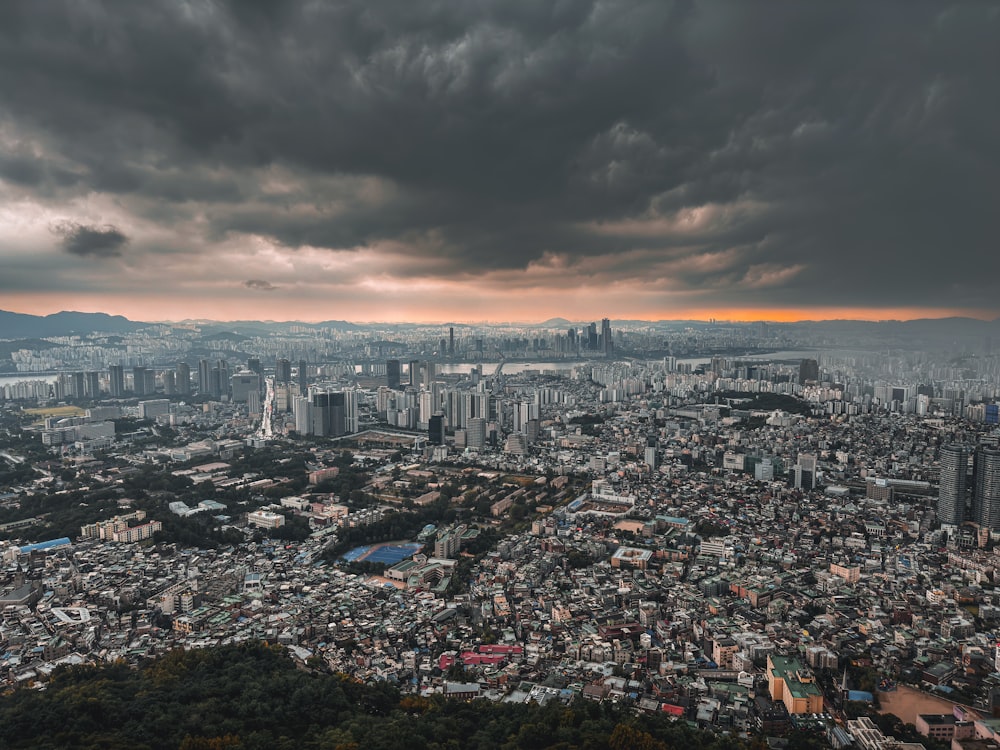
425,164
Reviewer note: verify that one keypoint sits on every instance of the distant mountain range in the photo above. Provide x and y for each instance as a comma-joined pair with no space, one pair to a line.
22,326
19,325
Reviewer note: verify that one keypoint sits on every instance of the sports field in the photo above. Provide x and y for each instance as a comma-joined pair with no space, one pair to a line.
56,411
390,554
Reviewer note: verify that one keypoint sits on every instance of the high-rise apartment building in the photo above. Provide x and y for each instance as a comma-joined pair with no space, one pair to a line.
952,487
986,484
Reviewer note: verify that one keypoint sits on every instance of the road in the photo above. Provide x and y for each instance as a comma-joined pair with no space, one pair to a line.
265,431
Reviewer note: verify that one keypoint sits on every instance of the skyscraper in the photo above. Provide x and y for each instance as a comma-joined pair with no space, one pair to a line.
283,371
92,384
435,430
392,373
805,472
607,343
139,381
986,478
117,381
451,341
476,435
205,377
952,489
650,452
76,384
182,378
808,370
328,413
303,377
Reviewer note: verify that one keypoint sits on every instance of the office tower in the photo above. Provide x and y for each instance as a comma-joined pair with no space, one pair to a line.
650,453
414,373
328,413
808,370
475,437
303,377
986,486
571,338
392,373
242,384
92,384
428,374
220,379
301,408
139,381
182,378
451,341
205,377
352,422
283,371
952,488
254,365
592,336
435,430
169,383
607,344
116,386
76,386
805,472
319,414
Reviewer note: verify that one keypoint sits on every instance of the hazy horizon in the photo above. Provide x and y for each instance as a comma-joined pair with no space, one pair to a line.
835,315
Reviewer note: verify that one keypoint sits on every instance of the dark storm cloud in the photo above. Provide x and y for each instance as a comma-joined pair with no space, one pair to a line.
708,144
106,241
259,285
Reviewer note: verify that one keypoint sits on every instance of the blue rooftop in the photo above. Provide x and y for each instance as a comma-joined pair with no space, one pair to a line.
51,544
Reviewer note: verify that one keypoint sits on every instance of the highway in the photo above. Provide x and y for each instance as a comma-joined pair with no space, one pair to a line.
265,431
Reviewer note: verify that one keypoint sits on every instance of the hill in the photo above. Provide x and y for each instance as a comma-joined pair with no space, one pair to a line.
253,696
22,326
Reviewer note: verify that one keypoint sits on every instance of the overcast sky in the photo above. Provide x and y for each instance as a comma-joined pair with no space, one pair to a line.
480,160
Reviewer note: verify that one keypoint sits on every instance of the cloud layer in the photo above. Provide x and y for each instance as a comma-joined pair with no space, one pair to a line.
90,241
667,157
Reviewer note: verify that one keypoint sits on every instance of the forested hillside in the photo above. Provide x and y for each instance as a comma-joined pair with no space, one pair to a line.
254,696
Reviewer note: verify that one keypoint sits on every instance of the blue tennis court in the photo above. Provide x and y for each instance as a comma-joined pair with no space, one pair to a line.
391,554
357,553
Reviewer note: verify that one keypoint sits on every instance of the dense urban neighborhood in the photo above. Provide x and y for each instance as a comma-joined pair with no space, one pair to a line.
755,530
